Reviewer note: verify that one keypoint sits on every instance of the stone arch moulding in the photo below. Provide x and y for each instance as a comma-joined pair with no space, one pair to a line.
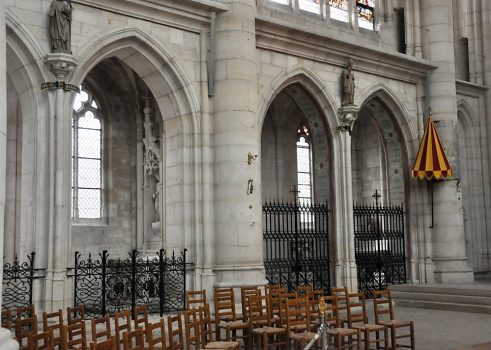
25,65
162,74
311,82
397,110
465,117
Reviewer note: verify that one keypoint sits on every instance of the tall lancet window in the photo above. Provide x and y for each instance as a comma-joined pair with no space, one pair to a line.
304,165
86,157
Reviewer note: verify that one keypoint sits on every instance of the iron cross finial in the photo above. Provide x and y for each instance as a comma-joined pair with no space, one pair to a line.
295,191
377,196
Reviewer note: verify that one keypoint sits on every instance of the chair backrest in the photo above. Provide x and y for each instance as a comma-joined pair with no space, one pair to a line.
245,293
155,333
224,299
331,314
122,323
195,298
140,316
341,295
25,327
258,309
53,321
274,288
134,340
313,298
304,290
6,319
41,341
382,305
108,344
75,314
206,328
25,311
74,336
101,328
282,300
356,308
192,326
176,338
297,314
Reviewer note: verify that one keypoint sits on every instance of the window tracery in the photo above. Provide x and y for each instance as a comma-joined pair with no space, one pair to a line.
304,165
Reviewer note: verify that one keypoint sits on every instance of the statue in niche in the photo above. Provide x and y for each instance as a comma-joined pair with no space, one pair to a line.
60,14
348,85
156,197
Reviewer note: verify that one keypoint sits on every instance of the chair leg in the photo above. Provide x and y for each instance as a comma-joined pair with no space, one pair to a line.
377,340
412,336
393,338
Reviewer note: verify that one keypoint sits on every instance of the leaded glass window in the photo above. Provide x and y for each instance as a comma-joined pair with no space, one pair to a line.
310,6
86,157
339,10
365,11
304,165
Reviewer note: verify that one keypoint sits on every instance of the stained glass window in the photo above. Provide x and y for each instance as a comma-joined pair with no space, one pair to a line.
310,6
283,2
304,165
86,158
339,10
365,12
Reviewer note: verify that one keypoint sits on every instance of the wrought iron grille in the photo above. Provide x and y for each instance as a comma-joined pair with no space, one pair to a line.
296,244
379,245
17,283
105,286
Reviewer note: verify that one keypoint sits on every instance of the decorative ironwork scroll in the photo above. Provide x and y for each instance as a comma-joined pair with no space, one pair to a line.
379,246
106,286
296,244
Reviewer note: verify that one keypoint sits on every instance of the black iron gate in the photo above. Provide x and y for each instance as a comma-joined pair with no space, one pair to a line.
379,245
105,286
296,244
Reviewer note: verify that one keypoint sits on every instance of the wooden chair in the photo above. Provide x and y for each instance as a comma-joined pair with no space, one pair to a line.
176,338
384,315
260,323
357,319
7,319
195,298
140,316
298,322
341,338
102,322
108,344
304,290
122,323
54,321
245,292
341,295
41,341
134,340
75,314
155,333
74,336
25,311
24,327
192,328
283,297
226,318
207,340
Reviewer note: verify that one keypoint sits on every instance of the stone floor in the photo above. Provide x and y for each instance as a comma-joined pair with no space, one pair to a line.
448,330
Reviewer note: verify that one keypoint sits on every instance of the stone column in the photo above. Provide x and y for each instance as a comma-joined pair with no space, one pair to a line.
346,273
58,246
6,341
449,253
238,241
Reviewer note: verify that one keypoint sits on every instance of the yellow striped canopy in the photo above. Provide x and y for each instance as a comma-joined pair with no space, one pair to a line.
431,161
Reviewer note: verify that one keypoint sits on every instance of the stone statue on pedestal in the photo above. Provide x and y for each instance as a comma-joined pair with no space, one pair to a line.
60,14
348,85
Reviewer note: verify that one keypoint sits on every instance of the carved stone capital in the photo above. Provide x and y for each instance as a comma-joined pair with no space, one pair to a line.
61,64
347,116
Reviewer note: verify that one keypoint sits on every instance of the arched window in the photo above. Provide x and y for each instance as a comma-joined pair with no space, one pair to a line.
86,157
304,165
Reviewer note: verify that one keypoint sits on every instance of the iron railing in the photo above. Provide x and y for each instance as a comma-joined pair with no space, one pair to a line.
18,282
379,246
296,244
105,286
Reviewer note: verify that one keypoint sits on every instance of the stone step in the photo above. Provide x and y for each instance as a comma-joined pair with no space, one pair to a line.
451,290
482,309
443,298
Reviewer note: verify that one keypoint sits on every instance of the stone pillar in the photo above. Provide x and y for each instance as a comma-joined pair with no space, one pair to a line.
238,241
346,273
61,65
449,253
6,341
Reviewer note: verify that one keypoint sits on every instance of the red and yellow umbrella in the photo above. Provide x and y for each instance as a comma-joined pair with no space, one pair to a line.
431,161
